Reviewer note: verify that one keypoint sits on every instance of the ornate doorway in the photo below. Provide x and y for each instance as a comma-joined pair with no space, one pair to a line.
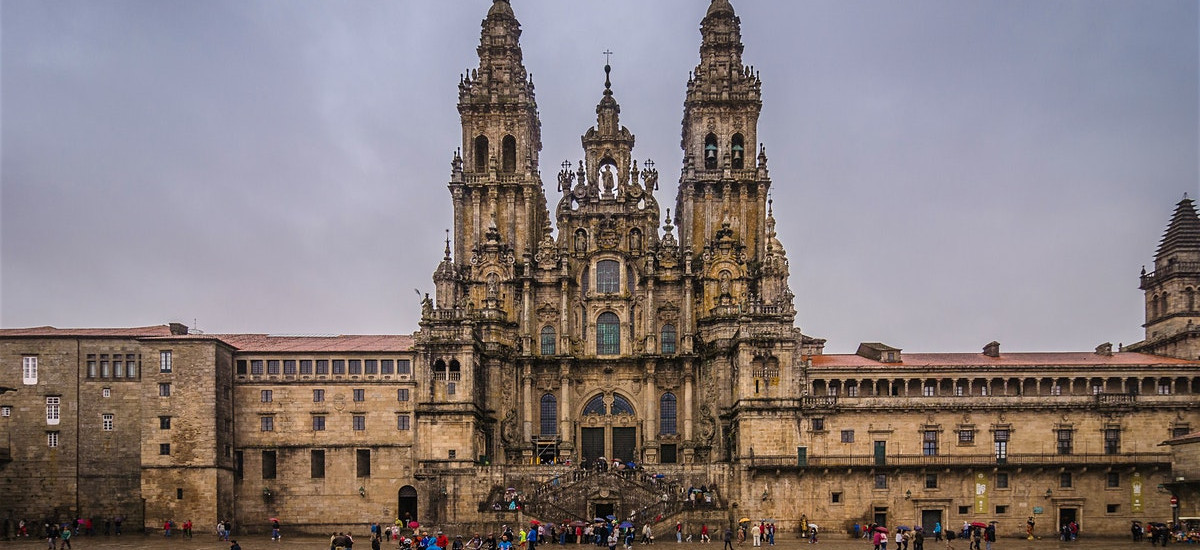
608,429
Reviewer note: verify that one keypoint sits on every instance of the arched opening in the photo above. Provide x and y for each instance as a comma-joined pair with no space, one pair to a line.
439,370
667,414
668,339
509,154
549,416
608,334
548,340
710,151
455,370
620,405
406,508
595,406
1191,300
738,151
481,154
614,434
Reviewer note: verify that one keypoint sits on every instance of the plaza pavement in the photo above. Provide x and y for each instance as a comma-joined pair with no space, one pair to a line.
263,542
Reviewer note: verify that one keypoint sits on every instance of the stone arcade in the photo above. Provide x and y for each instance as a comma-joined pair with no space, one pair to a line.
634,333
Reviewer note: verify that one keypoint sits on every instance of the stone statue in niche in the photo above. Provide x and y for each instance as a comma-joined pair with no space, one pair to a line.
581,241
608,178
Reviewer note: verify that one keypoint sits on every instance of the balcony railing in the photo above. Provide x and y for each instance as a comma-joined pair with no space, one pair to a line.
958,460
1168,270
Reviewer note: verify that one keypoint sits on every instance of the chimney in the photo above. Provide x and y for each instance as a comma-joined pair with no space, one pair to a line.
178,329
1104,349
992,349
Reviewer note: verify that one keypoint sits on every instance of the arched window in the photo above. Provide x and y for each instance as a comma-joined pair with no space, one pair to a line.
439,370
608,276
668,339
667,414
595,406
509,154
481,154
1153,306
710,151
738,151
1162,305
621,406
608,334
548,340
549,417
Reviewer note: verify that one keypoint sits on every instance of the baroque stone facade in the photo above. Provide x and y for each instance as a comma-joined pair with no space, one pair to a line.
628,334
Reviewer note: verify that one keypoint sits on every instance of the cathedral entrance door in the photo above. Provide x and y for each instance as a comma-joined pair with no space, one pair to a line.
592,440
624,440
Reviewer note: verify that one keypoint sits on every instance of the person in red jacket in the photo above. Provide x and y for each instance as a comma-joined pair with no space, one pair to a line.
443,541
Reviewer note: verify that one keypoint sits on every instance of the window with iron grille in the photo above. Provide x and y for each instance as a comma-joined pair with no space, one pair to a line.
1002,480
1065,440
317,463
1064,480
931,481
1112,441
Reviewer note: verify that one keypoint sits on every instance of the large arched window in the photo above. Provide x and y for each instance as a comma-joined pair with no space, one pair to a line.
548,340
710,151
509,154
667,414
608,276
621,406
549,423
608,334
738,150
481,154
595,406
668,339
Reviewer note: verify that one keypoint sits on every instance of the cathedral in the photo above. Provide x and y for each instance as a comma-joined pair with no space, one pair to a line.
632,359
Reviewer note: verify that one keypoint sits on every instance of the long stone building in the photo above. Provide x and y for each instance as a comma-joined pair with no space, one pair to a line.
661,337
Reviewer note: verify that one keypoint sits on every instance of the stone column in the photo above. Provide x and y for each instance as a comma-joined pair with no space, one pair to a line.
688,377
527,399
564,403
651,414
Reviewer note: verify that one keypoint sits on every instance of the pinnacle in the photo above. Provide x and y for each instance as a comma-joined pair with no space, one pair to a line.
1184,229
719,6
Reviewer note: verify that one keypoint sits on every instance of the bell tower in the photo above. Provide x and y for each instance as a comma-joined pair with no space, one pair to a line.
494,181
1172,309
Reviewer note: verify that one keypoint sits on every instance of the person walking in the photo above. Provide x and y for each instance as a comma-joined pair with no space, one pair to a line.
66,538
728,539
937,531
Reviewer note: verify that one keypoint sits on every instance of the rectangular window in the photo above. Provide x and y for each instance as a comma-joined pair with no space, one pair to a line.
1114,480
105,368
1096,389
131,366
306,366
363,460
833,390
273,366
1112,508
318,423
370,366
1056,390
164,361
852,391
117,366
266,396
52,439
1180,431
1064,480
179,493
386,366
881,481
1064,444
317,467
403,422
402,394
29,371
835,497
6,411
1001,509
818,424
268,464
668,453
360,395
106,422
239,464
966,436
1164,389
1112,441
164,390
91,365
452,454
355,366
339,366
322,366
964,510
931,481
1001,444
359,422
403,366
266,423
241,366
52,410
289,366
164,422
256,366
847,436
164,449
1002,480
928,391
318,396
929,446
958,391
106,392
451,388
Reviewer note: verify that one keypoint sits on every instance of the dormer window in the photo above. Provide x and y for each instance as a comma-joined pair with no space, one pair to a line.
710,151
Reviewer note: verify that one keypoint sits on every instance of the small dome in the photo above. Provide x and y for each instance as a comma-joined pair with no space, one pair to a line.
720,6
501,7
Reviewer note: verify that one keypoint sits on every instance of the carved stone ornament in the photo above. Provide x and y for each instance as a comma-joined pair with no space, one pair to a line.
547,312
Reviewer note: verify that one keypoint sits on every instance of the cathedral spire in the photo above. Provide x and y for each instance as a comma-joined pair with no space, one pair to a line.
1182,234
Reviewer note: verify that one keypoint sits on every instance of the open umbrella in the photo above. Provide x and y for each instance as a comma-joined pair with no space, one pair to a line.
611,517
578,523
535,522
272,519
812,526
625,525
881,529
903,528
598,520
413,525
744,520
978,524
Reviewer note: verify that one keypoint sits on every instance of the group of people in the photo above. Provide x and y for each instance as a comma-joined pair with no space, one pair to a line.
978,536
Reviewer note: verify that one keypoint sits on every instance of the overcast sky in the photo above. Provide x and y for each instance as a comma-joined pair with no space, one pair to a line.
945,173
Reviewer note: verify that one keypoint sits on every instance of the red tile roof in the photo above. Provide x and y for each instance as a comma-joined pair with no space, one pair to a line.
266,343
134,332
1081,358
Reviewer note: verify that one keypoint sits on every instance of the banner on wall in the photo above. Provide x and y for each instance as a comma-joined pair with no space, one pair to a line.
1135,493
981,500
